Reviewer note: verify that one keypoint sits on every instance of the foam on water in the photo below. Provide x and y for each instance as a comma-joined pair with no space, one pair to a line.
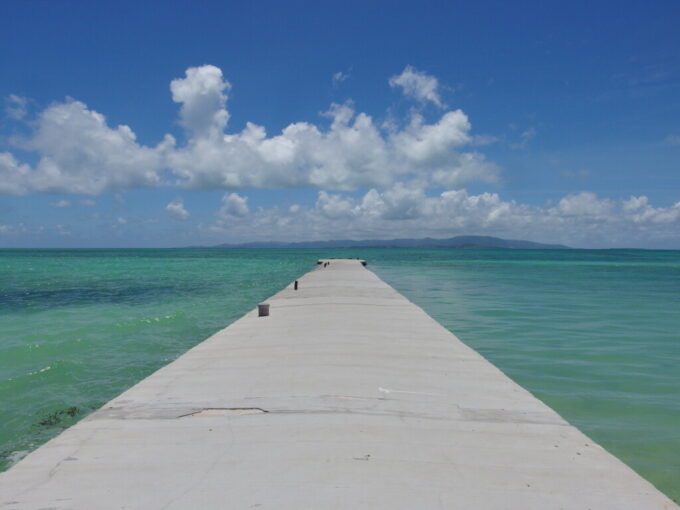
595,334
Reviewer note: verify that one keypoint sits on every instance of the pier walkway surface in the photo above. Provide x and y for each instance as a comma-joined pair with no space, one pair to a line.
346,396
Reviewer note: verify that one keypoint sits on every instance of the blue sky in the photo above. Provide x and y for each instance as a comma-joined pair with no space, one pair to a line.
156,124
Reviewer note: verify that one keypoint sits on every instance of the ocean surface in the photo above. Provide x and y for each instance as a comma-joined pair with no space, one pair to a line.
594,334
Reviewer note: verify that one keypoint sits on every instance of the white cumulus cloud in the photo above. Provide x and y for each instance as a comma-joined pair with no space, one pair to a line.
176,210
418,85
80,153
233,206
203,95
584,204
334,206
14,176
352,153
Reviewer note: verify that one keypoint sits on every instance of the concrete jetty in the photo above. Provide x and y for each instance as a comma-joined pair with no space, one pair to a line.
346,396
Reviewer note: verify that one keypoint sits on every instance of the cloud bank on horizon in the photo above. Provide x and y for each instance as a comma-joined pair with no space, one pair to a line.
396,178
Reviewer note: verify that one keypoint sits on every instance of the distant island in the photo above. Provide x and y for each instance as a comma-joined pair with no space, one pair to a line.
428,242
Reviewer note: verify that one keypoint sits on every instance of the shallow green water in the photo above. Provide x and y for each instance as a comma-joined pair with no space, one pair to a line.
595,334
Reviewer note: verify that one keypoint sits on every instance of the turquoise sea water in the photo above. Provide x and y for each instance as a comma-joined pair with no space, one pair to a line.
595,334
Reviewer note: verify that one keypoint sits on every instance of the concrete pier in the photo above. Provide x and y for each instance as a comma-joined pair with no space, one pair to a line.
346,396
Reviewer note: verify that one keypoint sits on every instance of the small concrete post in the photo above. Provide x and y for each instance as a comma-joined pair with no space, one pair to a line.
263,310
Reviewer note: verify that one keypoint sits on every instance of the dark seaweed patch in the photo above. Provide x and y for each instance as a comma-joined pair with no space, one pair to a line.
57,417
88,293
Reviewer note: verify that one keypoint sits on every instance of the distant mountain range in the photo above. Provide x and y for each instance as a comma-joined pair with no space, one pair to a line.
453,242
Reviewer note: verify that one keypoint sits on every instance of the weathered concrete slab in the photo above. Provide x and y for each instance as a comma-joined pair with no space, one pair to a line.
346,396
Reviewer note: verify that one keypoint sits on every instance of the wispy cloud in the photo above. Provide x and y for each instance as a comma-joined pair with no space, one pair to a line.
579,174
16,106
64,231
61,204
339,77
525,139
672,140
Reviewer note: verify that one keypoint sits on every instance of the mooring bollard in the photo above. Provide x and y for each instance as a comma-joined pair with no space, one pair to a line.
296,284
263,310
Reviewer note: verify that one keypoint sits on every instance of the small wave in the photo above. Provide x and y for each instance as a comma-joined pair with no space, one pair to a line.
44,369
